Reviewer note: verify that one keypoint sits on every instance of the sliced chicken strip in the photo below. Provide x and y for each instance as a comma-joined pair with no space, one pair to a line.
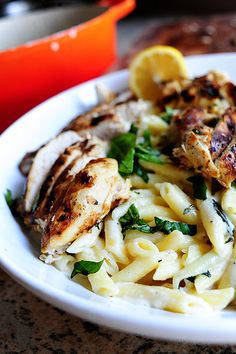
194,151
66,166
192,116
109,120
26,163
42,163
227,165
207,143
223,133
88,199
104,121
203,90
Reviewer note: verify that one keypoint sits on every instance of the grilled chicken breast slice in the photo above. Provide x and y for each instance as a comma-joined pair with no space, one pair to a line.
88,199
43,162
109,120
194,151
205,91
226,165
187,120
206,143
74,158
223,133
26,162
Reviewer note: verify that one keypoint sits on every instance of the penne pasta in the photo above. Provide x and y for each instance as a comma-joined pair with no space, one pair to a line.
216,228
102,284
114,242
175,241
164,298
181,204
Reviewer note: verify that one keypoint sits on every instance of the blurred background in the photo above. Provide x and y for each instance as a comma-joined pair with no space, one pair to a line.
151,7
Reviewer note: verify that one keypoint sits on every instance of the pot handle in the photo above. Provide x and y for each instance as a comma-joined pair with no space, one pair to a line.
118,8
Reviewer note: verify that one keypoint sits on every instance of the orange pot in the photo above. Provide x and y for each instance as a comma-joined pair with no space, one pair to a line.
32,72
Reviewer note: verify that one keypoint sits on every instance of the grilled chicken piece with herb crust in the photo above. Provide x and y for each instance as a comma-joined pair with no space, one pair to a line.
89,197
213,91
42,163
70,162
206,143
112,117
226,165
109,120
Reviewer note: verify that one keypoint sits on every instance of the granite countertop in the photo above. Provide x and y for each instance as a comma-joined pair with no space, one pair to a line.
29,325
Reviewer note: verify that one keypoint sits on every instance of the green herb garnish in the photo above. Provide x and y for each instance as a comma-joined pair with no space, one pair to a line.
226,220
8,197
168,226
199,187
230,239
168,114
125,150
11,202
140,171
133,129
192,279
86,267
131,221
189,209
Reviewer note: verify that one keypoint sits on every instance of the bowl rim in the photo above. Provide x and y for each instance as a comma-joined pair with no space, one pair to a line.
219,328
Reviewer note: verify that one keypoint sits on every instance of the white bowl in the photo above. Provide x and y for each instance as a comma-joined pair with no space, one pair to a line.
19,254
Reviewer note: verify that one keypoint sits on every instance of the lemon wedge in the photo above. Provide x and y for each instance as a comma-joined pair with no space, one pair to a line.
153,65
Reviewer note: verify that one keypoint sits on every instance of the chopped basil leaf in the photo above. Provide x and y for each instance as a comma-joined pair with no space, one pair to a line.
140,171
12,203
167,227
147,139
127,153
144,151
133,129
199,187
86,267
230,239
8,198
97,225
207,274
132,221
192,279
224,217
148,154
131,217
189,209
123,150
168,114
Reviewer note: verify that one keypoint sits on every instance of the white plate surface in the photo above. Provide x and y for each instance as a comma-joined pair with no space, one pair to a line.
18,254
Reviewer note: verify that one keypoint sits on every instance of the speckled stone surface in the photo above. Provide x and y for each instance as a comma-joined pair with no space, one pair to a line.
29,325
